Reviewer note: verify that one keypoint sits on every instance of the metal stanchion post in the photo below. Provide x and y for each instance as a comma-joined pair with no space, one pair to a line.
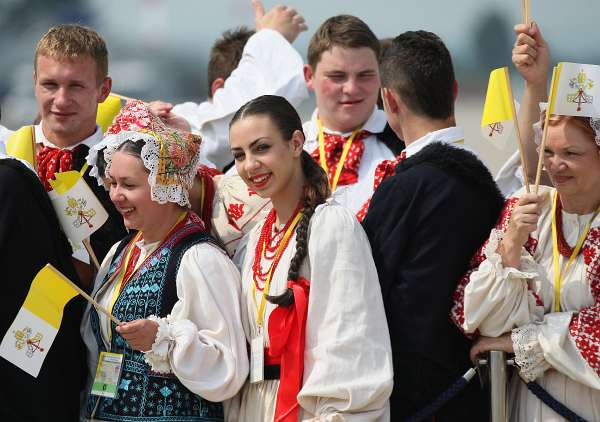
498,385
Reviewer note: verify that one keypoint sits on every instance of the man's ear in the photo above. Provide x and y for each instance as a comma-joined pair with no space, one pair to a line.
105,88
391,102
216,84
297,143
308,75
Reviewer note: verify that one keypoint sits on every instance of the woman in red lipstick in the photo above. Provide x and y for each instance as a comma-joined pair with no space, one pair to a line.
312,307
536,291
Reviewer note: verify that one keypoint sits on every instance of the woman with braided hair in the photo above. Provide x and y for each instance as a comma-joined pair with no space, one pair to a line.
312,306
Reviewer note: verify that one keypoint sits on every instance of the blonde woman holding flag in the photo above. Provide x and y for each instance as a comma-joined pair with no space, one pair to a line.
180,349
536,291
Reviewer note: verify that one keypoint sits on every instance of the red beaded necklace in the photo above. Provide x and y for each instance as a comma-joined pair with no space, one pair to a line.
269,246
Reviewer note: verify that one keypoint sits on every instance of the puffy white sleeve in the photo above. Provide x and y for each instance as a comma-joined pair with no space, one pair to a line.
269,65
566,341
202,341
497,298
348,372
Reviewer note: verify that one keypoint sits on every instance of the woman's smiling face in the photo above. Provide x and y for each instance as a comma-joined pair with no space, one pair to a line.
263,158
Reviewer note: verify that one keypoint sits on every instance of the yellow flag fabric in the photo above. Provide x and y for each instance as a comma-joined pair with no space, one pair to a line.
20,144
48,295
498,107
554,88
107,111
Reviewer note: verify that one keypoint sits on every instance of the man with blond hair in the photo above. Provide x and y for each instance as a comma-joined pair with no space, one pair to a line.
70,79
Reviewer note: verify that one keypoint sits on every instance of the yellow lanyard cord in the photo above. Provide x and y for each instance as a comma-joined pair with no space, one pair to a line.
125,264
559,273
286,237
323,161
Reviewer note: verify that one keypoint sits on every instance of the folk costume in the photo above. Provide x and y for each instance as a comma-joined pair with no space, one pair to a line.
229,207
368,146
424,223
327,357
51,159
30,237
269,65
185,283
554,325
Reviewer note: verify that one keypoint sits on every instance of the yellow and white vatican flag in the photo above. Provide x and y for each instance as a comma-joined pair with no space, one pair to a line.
30,336
497,120
79,211
21,144
107,110
577,91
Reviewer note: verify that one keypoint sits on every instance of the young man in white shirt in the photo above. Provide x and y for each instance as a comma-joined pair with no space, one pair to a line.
424,224
268,65
344,132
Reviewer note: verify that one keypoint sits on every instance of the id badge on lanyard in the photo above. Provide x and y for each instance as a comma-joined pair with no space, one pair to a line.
108,374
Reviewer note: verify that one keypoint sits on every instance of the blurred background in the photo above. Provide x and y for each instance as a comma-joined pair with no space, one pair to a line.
158,49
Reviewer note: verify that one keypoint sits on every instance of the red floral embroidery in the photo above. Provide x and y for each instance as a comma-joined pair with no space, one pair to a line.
457,312
251,192
235,211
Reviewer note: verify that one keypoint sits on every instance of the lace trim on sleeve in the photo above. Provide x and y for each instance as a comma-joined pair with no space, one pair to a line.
158,356
491,253
529,355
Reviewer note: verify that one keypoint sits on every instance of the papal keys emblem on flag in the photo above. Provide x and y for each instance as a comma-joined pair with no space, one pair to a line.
582,84
26,341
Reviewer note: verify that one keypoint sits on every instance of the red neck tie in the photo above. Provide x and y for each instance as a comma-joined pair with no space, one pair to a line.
334,145
51,160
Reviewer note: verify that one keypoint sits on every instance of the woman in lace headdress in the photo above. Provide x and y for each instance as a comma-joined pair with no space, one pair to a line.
536,291
170,283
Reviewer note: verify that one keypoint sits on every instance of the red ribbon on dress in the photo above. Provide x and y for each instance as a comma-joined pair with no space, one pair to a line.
334,145
287,328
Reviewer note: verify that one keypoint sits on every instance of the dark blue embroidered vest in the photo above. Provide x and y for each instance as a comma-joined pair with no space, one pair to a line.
144,395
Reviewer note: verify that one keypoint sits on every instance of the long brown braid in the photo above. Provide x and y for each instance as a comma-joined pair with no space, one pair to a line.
316,190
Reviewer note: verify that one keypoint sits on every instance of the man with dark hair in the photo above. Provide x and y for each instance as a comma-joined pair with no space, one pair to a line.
424,224
225,56
242,66
346,133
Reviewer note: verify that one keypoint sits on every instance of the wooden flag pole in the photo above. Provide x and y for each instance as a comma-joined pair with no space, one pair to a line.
526,12
125,98
545,132
87,297
517,131
88,248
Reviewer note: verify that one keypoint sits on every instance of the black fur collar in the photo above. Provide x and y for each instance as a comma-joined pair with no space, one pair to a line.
461,163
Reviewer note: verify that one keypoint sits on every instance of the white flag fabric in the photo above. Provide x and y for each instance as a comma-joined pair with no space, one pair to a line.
79,211
27,342
578,90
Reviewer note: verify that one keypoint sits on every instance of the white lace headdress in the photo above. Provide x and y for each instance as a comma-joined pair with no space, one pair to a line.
170,156
537,127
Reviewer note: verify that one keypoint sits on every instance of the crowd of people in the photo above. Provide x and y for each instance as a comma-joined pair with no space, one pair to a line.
348,268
